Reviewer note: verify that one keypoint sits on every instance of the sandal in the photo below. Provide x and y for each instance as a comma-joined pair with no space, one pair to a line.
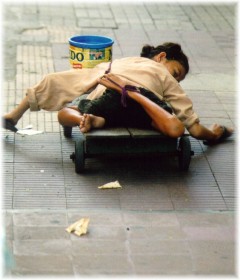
9,125
224,136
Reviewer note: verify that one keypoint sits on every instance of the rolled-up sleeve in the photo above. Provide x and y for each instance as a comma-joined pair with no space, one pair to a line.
181,104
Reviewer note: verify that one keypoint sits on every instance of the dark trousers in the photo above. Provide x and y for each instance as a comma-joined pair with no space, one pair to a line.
110,108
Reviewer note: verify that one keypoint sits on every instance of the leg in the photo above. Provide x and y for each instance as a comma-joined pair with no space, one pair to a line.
69,117
12,118
18,112
73,117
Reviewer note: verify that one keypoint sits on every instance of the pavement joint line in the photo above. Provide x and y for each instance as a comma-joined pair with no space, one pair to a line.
114,210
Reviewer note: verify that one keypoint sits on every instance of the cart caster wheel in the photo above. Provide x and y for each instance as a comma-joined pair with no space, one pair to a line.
72,157
67,131
184,153
78,156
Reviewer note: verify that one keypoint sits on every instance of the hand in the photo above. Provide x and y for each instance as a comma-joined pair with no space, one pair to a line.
218,130
213,134
112,81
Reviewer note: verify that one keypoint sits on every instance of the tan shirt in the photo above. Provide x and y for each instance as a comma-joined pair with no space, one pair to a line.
57,89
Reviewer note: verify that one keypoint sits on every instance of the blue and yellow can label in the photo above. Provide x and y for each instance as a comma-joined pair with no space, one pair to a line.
88,58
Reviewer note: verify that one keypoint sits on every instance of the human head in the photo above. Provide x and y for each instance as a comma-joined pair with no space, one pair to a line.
170,51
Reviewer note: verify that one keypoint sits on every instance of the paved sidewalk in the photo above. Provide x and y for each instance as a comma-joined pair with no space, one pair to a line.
162,222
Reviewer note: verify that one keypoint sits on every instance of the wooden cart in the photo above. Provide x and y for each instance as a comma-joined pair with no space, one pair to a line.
128,141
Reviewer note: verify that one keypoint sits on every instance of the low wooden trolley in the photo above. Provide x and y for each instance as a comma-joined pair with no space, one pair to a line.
128,141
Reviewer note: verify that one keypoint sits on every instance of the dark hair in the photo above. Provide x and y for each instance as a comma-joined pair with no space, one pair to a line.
173,52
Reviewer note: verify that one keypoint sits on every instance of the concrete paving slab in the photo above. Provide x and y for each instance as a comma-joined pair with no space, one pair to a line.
209,255
43,266
152,243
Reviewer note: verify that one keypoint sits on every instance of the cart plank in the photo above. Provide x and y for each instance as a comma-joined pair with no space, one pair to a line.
108,133
145,133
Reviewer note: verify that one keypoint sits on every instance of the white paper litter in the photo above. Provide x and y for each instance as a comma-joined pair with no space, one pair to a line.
80,227
111,185
28,130
28,127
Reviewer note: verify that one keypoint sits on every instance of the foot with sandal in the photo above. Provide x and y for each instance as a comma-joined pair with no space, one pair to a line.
10,120
9,125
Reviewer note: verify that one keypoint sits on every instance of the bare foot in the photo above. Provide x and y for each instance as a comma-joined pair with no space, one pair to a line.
90,121
112,81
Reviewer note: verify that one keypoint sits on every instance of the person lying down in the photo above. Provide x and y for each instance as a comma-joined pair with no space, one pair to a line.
134,91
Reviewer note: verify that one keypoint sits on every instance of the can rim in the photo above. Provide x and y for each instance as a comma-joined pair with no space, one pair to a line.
106,41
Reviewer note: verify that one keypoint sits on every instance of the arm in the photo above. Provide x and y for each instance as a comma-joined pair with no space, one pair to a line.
163,121
183,108
171,126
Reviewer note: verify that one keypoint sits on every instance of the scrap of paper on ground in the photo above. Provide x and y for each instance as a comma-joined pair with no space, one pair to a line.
111,185
80,227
